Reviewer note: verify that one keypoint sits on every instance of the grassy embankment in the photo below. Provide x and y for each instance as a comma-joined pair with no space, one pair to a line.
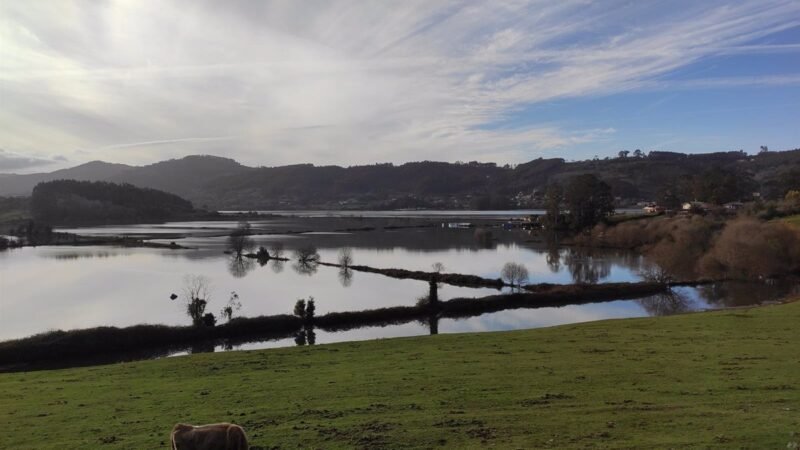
719,379
793,220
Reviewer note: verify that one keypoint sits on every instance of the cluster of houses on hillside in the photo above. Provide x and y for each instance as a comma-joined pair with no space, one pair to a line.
694,206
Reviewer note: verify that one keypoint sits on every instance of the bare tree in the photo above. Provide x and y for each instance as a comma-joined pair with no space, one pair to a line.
239,240
514,274
346,257
307,254
438,267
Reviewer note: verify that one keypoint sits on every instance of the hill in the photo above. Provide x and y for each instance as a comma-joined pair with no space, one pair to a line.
730,382
223,183
12,185
77,202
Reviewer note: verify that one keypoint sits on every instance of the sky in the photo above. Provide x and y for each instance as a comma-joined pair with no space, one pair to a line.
361,82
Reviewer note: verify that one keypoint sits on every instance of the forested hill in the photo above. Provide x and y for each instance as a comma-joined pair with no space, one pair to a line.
222,183
80,202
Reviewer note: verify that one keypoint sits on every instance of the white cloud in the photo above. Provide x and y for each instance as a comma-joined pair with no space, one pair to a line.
342,82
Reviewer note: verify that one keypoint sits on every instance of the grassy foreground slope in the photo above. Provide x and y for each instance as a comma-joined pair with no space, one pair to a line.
793,220
720,379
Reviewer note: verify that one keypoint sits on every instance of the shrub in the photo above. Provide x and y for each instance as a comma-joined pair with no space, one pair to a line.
209,320
305,309
300,308
751,249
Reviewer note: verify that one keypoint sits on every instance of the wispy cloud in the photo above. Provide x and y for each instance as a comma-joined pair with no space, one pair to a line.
167,142
410,80
12,162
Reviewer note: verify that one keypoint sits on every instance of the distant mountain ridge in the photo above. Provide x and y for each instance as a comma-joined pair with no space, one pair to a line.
222,183
22,185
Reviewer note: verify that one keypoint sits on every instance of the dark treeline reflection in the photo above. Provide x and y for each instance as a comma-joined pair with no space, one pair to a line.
414,240
666,304
585,265
87,255
742,293
590,265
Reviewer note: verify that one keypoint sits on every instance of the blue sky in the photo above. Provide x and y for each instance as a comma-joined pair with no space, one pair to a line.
355,82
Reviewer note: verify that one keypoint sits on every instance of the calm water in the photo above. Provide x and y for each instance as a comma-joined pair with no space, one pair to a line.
427,213
47,288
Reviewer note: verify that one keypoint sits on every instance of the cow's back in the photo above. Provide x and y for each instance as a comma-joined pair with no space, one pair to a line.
209,437
236,438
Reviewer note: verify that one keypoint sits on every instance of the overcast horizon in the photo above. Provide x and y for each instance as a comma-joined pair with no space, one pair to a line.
351,83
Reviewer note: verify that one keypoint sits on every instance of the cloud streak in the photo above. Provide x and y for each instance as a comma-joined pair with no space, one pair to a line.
407,81
11,162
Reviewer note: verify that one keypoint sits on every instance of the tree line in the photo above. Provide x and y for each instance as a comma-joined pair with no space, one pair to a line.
71,201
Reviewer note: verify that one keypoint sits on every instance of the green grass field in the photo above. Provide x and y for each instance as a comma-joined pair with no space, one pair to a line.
794,220
722,379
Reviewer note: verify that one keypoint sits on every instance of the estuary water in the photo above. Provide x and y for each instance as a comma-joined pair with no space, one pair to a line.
70,287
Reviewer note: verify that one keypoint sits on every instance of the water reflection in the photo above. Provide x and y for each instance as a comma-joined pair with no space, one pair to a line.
432,323
739,293
276,265
345,276
584,267
306,336
666,304
87,255
239,266
203,347
553,259
81,278
306,267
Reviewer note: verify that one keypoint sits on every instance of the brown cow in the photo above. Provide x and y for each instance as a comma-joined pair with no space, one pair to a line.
218,436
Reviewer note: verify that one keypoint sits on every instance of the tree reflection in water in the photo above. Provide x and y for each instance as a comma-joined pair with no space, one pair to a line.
306,336
346,276
239,266
305,267
202,347
584,267
433,324
666,304
741,293
553,259
553,256
276,265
